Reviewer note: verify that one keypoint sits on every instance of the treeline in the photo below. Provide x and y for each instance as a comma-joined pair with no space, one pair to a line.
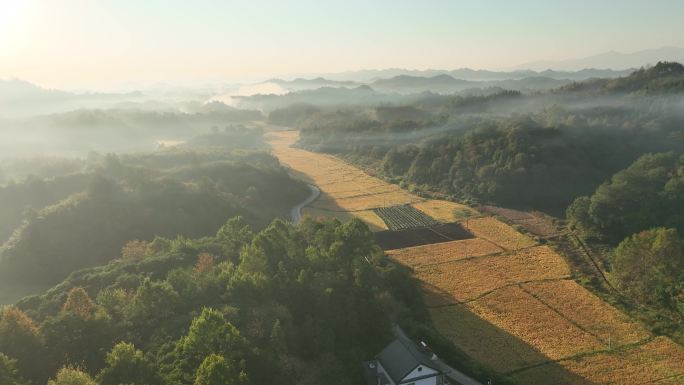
287,305
664,77
67,223
115,130
542,160
556,147
649,193
641,210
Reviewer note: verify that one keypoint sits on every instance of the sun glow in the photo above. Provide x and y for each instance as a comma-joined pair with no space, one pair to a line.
13,15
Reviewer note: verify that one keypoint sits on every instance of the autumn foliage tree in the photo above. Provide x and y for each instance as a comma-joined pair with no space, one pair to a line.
205,262
79,303
135,249
20,340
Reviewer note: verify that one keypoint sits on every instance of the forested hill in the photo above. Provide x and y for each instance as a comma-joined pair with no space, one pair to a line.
288,305
64,223
664,77
537,151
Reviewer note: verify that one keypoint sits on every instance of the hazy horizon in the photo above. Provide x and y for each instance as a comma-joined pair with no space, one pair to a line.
79,44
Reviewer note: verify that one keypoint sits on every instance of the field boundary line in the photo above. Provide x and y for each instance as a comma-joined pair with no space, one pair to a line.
573,322
482,295
622,348
503,253
660,379
593,261
495,254
487,239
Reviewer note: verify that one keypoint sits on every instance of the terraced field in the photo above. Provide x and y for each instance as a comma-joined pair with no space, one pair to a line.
500,297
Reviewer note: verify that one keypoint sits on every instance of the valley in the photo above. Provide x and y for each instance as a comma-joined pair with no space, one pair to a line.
503,297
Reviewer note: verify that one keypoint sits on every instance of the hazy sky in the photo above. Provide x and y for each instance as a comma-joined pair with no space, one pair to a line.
106,43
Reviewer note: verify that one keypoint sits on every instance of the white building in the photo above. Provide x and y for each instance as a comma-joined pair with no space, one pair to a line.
404,363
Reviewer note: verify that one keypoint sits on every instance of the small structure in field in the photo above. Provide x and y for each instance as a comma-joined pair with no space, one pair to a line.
402,362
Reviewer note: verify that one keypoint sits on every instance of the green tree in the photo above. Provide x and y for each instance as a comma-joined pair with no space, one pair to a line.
209,334
8,371
649,266
128,365
153,302
216,370
647,194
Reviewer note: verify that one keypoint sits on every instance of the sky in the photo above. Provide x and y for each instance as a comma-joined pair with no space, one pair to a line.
101,44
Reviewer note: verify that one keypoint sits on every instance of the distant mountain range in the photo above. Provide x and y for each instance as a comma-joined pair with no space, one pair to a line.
19,98
611,59
447,82
368,76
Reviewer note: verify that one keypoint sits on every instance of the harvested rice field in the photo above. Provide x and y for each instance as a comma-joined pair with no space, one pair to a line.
535,324
445,211
588,311
498,232
478,338
444,252
468,279
344,187
659,361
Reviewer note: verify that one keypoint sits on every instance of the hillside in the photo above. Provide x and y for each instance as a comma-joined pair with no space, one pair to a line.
70,222
664,77
537,151
273,303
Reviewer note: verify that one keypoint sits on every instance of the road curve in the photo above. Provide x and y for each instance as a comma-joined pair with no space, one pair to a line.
296,212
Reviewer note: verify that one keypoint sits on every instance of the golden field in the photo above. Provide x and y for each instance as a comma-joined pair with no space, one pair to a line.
444,252
588,311
471,278
483,341
533,323
445,211
498,232
501,298
343,187
659,361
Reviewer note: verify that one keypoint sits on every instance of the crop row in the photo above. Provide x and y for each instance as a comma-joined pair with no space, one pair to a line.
404,217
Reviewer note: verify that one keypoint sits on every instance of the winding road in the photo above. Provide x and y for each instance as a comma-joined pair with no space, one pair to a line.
296,212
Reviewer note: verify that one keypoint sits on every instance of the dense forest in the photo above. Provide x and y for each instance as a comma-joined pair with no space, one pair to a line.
240,306
54,225
640,210
537,151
